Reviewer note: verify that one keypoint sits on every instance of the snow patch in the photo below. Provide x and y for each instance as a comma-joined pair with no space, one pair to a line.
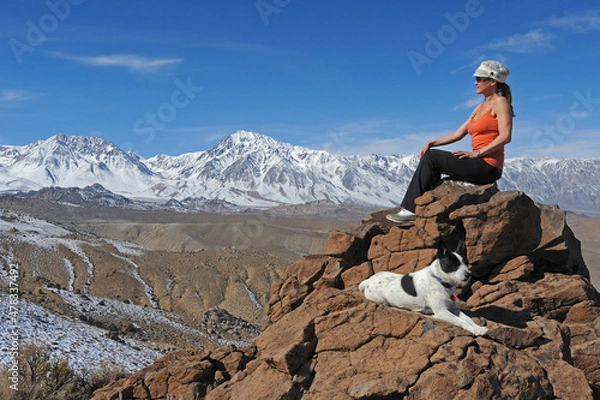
252,296
80,344
135,273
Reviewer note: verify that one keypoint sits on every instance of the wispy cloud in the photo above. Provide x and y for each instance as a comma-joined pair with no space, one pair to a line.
532,42
130,61
368,136
11,98
579,23
467,105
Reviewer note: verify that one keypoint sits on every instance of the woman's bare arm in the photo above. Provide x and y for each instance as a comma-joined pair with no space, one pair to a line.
452,137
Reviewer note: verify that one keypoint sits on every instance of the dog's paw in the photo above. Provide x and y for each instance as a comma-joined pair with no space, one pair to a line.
480,330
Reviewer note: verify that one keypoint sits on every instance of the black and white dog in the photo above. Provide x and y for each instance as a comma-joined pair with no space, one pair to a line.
429,290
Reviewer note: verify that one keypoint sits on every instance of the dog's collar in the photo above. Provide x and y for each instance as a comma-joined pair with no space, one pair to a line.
448,286
444,283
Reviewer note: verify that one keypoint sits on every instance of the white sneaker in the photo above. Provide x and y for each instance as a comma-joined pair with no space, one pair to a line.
402,216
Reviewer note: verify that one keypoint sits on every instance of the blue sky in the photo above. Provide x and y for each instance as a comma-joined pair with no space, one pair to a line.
347,76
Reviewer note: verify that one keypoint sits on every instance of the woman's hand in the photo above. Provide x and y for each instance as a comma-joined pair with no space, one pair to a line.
425,148
464,154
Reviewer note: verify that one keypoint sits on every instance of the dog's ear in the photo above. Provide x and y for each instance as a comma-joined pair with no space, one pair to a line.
460,248
442,248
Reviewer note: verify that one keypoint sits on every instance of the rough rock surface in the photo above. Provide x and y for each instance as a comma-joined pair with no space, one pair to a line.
323,340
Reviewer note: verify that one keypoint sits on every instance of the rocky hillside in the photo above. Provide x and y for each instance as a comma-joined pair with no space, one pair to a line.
187,293
323,340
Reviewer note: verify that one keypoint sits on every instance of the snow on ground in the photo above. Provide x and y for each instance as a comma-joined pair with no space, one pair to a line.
130,249
29,225
98,306
135,274
252,296
84,346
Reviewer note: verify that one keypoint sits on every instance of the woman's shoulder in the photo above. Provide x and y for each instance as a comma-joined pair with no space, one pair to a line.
501,100
501,104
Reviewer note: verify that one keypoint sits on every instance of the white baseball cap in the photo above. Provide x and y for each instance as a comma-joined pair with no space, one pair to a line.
492,69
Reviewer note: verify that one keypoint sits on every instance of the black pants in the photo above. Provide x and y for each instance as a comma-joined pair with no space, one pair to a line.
436,163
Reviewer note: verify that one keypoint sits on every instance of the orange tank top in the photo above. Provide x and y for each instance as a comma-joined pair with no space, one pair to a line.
483,131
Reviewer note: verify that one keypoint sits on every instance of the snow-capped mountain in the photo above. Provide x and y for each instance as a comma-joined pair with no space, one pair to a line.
573,184
256,171
73,161
250,170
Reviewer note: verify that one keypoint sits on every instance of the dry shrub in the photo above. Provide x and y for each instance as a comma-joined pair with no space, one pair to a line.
41,377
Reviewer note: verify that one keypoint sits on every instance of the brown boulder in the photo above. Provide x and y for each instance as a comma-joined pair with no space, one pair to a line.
184,374
323,340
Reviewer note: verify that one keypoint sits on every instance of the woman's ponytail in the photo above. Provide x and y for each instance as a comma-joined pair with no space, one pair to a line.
504,91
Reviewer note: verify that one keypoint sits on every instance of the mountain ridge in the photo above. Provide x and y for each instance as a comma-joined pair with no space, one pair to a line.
249,170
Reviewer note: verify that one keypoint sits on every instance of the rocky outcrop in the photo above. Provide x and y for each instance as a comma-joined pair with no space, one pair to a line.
323,340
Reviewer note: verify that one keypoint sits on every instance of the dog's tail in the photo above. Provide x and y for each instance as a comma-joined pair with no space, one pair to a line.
362,286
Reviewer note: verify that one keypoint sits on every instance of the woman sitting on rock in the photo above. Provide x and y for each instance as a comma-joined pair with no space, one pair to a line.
490,127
